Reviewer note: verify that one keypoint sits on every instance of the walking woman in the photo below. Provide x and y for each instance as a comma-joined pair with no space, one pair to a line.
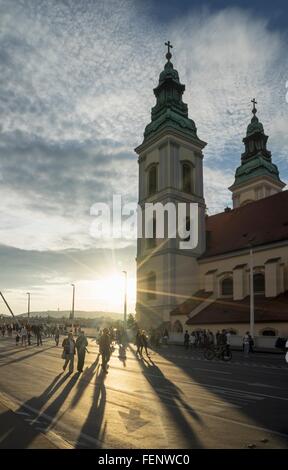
69,348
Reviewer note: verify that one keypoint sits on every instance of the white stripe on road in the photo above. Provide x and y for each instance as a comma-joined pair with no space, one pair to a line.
213,370
3,437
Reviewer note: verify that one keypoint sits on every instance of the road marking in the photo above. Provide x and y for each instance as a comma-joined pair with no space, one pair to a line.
262,385
217,389
213,370
132,420
3,437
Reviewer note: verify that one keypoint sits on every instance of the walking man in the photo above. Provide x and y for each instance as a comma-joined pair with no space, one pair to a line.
39,335
69,352
144,343
104,349
138,342
57,335
81,344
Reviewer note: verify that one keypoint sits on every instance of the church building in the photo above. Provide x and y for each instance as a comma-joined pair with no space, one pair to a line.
209,286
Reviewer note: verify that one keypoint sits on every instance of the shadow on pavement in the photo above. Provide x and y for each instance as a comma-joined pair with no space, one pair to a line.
84,381
37,403
39,351
255,403
93,426
171,397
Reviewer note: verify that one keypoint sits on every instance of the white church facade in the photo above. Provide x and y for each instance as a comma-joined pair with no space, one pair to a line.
208,287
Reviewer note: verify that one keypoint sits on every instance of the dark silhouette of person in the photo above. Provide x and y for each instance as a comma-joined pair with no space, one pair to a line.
81,345
186,339
104,349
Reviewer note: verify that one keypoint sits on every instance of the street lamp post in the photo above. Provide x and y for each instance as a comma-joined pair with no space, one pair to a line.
251,293
125,300
73,303
28,309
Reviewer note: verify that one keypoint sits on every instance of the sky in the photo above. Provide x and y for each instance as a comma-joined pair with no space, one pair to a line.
76,91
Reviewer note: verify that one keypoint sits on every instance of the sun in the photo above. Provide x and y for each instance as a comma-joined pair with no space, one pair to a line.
107,293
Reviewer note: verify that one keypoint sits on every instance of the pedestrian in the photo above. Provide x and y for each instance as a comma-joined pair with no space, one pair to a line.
186,339
246,344
138,343
251,344
57,336
39,335
17,339
192,340
68,352
23,334
29,337
144,343
104,349
228,340
81,345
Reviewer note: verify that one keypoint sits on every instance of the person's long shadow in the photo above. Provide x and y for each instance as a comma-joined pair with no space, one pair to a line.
171,396
84,381
19,359
93,426
34,406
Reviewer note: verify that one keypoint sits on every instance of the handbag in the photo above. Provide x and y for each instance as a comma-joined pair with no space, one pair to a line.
63,354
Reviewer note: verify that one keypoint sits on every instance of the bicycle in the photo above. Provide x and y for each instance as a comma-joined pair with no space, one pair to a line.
221,352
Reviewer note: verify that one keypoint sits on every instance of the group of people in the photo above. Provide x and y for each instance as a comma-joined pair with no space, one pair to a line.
105,339
141,342
25,332
70,346
206,338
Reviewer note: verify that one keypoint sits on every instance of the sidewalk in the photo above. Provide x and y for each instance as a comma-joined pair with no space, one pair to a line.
14,431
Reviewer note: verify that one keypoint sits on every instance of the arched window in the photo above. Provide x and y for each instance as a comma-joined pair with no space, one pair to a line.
151,242
151,286
227,286
177,327
152,180
187,178
259,283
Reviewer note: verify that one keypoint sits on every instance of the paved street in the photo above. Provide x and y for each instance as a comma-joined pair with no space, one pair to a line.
176,400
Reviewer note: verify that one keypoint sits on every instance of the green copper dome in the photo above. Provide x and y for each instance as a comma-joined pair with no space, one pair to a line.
254,126
256,160
169,110
168,73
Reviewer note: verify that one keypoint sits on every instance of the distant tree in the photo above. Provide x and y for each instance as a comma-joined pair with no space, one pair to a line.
131,322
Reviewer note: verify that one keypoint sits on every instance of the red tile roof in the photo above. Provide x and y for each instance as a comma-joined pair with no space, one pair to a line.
190,304
273,309
264,221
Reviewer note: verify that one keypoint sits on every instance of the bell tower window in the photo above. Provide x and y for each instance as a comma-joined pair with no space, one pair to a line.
152,180
187,178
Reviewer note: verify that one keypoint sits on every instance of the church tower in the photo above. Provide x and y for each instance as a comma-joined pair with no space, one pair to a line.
257,177
170,171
